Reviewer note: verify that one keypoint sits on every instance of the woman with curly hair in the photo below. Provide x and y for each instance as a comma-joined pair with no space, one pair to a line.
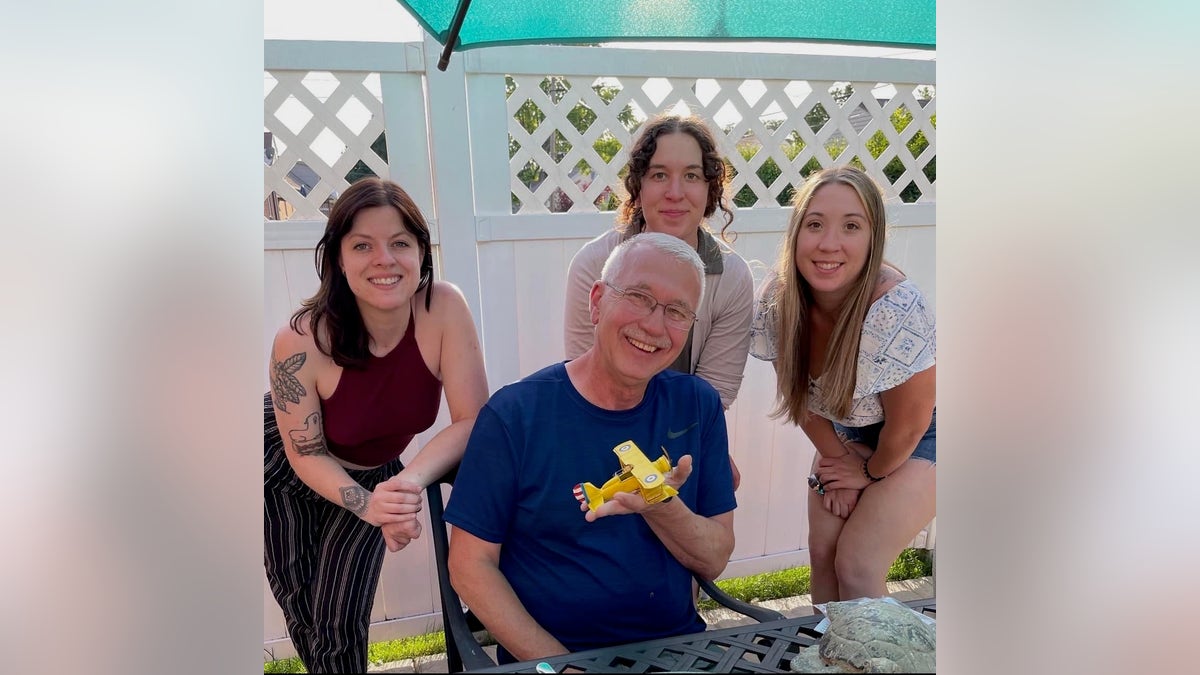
676,180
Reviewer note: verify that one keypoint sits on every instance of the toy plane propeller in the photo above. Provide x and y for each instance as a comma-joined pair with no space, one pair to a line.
637,474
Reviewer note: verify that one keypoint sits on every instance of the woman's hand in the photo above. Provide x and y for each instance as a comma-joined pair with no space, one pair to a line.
394,500
843,472
840,502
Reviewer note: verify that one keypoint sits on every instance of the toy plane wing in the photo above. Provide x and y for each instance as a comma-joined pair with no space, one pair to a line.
637,474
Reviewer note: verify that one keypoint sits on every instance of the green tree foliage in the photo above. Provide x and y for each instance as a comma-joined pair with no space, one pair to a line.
529,116
816,118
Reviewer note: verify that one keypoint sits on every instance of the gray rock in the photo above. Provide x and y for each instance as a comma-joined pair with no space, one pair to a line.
877,636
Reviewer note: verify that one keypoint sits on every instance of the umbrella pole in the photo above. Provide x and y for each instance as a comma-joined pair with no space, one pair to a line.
452,36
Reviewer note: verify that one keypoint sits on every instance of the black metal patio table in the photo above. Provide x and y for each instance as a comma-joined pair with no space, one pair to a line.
754,648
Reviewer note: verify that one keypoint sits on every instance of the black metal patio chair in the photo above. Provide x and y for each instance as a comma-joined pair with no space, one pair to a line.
463,650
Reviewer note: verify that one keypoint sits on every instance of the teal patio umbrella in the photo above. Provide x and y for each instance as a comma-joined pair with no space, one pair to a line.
468,24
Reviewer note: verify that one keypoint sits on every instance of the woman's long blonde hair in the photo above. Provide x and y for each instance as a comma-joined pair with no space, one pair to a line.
792,300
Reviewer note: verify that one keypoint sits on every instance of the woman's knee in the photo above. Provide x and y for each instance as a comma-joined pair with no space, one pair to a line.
858,567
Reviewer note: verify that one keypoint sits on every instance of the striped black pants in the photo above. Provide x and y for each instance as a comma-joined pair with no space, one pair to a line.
322,561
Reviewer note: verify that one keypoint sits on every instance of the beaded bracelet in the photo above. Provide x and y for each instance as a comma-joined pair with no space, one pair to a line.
867,473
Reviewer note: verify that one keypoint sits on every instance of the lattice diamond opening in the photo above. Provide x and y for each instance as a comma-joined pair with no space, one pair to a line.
513,146
681,108
706,90
749,146
555,87
797,91
656,89
354,115
877,143
581,117
930,170
768,172
901,118
813,164
559,202
840,91
529,116
745,198
752,91
274,149
816,118
792,144
532,175
293,114
321,83
910,193
835,146
557,146
634,118
607,200
786,195
894,170
328,147
727,117
607,146
358,171
918,144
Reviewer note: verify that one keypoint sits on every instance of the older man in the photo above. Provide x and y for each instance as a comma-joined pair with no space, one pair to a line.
545,578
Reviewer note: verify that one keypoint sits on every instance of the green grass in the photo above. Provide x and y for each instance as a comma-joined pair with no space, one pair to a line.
380,652
911,564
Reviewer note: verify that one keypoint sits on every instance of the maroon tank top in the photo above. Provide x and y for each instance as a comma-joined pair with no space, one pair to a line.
375,412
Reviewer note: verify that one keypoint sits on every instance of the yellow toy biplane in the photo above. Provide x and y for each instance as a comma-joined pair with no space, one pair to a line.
638,474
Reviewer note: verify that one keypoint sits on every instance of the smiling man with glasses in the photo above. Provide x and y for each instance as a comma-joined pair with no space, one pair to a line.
545,574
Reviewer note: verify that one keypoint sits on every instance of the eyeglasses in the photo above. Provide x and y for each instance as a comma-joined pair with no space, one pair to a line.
676,316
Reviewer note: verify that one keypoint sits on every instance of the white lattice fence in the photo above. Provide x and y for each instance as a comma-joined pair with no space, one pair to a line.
570,135
320,129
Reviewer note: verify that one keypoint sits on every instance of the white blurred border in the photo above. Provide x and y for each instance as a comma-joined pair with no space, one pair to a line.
132,178
1066,313
131,173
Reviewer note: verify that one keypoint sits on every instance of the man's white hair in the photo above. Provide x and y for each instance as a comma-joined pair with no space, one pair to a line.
671,245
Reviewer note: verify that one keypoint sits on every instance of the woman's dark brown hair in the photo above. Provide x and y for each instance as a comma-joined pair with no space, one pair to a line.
333,311
629,218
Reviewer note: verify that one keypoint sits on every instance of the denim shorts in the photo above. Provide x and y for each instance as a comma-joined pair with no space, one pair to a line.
869,435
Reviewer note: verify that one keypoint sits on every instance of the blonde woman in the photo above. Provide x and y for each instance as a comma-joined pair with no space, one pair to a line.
853,345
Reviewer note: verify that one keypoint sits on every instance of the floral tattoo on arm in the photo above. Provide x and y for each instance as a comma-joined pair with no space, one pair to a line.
286,387
355,498
310,440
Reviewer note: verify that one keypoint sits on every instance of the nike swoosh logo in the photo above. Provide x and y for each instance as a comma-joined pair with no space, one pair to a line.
672,435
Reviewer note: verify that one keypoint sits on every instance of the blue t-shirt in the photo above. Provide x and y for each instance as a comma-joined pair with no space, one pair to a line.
607,582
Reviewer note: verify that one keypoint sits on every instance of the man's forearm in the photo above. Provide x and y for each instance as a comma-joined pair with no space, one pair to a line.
489,595
700,544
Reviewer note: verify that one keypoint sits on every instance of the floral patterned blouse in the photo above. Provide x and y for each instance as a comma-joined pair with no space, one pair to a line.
898,341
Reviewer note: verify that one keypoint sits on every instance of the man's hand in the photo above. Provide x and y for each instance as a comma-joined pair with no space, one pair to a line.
398,535
624,503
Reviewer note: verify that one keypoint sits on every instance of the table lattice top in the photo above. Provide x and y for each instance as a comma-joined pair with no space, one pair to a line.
755,648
